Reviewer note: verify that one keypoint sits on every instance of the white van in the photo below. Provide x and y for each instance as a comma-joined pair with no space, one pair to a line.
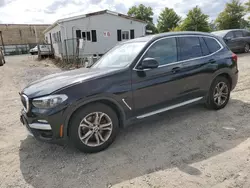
45,49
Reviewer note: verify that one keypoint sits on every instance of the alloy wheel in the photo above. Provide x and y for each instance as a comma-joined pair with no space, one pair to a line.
221,93
95,129
247,48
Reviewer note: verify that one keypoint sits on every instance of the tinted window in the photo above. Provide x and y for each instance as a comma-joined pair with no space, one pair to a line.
164,51
246,33
238,34
229,35
189,47
204,47
212,44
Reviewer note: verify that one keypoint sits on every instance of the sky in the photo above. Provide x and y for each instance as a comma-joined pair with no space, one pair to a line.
48,11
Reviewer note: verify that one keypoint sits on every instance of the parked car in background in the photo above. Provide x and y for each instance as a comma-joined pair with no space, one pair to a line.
34,51
45,50
238,40
134,80
2,60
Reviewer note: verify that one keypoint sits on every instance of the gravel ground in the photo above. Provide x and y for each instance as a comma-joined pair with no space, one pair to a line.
187,147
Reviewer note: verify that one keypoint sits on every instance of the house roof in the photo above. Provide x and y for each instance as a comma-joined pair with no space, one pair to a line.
92,14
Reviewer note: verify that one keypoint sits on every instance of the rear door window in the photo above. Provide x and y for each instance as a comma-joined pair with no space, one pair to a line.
238,34
204,48
212,44
246,33
189,48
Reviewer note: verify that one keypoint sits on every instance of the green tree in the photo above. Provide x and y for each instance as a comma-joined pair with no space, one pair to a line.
168,20
144,13
212,26
232,17
195,21
247,4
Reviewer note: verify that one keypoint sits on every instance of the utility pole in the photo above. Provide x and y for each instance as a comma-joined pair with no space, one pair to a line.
2,41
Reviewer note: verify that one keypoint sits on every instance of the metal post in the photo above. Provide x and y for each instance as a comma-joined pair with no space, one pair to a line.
39,52
2,41
73,42
52,49
66,51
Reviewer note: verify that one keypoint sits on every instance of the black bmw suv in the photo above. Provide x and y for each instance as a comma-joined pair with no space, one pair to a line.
134,80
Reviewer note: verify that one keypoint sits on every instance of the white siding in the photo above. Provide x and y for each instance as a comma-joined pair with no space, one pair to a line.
57,46
100,23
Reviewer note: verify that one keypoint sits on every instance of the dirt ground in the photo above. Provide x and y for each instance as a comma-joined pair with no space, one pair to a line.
188,147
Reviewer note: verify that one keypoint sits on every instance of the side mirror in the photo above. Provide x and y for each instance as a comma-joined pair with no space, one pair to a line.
228,38
149,63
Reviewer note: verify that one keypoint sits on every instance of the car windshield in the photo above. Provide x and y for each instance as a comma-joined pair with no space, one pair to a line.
120,56
220,33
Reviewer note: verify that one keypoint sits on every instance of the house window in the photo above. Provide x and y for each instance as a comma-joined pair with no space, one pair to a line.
78,33
132,34
125,35
84,35
88,36
59,35
119,35
93,33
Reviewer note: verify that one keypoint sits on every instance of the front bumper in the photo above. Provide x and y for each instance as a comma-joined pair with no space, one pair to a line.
44,128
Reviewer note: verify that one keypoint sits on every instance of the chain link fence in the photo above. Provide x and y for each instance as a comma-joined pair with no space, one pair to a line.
17,49
74,52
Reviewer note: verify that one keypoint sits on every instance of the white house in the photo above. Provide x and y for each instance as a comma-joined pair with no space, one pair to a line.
93,33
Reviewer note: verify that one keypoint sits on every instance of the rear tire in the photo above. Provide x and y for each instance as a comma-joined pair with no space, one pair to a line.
246,48
93,128
219,93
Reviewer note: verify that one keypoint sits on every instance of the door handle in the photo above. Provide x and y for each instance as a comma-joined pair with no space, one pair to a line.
176,69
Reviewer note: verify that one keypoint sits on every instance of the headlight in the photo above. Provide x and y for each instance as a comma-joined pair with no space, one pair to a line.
49,101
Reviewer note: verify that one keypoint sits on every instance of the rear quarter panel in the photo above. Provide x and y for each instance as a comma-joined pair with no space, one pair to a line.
223,65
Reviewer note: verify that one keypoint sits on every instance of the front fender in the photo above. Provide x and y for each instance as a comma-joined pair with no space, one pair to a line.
69,111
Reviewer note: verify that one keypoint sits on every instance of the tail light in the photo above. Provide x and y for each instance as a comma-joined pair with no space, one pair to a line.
234,57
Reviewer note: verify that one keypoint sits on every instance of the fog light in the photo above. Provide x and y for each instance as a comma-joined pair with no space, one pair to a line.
42,121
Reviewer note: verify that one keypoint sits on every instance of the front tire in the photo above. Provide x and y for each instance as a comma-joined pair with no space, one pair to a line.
219,93
1,62
93,128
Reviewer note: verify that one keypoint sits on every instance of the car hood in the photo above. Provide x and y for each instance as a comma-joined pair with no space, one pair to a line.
54,82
